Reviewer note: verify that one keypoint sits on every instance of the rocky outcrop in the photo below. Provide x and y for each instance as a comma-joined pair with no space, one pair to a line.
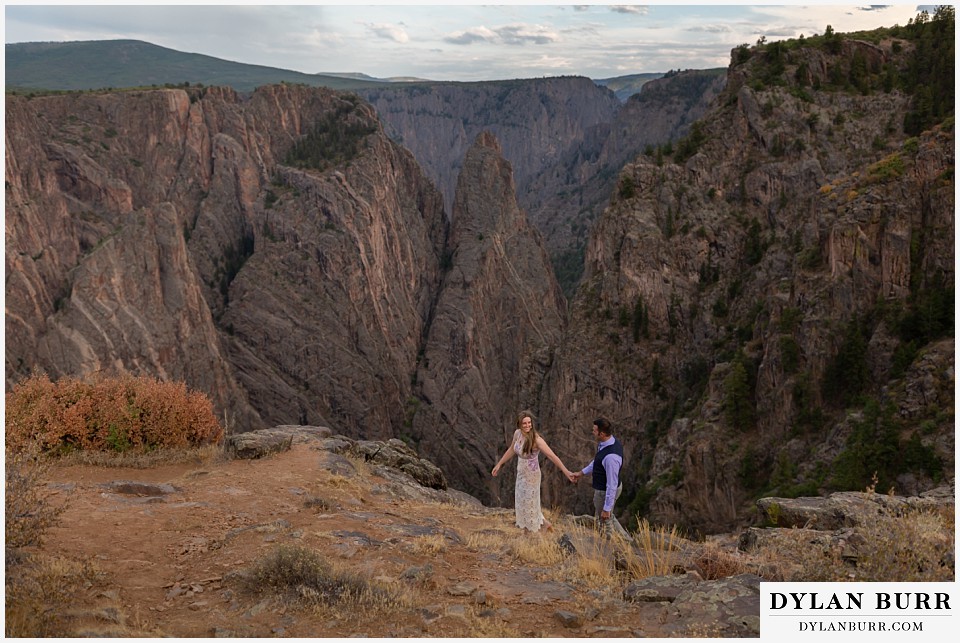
566,139
745,270
729,605
263,442
394,460
498,318
847,509
397,455
162,233
855,535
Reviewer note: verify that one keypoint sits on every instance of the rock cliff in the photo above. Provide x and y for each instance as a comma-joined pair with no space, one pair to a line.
747,313
497,321
566,139
161,233
281,254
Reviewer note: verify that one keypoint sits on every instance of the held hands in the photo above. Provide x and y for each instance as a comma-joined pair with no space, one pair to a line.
574,477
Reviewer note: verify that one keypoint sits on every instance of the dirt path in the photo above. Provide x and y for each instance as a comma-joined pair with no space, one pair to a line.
167,554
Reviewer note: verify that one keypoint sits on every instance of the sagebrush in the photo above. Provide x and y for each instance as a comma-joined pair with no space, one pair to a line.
120,414
304,576
36,585
28,512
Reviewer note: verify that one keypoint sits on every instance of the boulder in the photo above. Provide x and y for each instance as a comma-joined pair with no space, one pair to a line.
396,454
658,588
257,444
846,509
731,607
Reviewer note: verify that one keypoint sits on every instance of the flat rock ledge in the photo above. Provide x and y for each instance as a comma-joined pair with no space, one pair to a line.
257,444
836,524
728,607
406,473
847,508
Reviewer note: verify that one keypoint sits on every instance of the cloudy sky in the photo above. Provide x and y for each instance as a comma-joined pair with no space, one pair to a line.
452,41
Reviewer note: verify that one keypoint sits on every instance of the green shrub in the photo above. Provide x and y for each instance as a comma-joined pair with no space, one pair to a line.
887,169
738,396
846,375
690,144
876,450
126,413
334,139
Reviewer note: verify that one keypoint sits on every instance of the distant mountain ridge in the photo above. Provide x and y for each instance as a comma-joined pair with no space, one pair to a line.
626,86
97,64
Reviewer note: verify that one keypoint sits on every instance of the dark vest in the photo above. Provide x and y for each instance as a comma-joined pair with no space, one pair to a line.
599,473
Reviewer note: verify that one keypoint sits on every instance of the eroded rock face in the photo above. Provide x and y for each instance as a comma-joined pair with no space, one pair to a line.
566,138
785,223
161,233
498,318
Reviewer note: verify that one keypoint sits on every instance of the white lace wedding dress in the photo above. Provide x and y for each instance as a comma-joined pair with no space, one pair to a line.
527,492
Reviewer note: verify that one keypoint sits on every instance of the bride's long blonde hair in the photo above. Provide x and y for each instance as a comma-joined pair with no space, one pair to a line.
529,439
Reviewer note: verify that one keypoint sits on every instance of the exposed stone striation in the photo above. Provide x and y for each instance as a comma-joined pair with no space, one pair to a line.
496,323
792,218
163,233
566,138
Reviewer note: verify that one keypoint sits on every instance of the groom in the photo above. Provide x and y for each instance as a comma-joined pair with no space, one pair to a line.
607,486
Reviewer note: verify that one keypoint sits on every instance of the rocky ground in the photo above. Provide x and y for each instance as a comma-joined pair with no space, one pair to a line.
174,543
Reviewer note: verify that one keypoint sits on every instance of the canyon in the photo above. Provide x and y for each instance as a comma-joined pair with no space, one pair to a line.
386,264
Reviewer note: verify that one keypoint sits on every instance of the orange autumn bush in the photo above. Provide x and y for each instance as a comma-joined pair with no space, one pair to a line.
125,413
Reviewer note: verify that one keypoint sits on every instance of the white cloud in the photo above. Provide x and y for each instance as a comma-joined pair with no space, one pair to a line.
516,34
711,29
470,36
395,33
638,10
523,34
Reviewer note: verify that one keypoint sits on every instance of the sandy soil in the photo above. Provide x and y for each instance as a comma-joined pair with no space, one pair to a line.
169,560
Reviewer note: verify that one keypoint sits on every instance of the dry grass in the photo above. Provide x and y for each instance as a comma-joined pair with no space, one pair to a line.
659,550
303,576
477,626
487,540
27,511
535,549
715,562
917,546
206,454
38,590
37,586
429,545
360,464
338,481
530,549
